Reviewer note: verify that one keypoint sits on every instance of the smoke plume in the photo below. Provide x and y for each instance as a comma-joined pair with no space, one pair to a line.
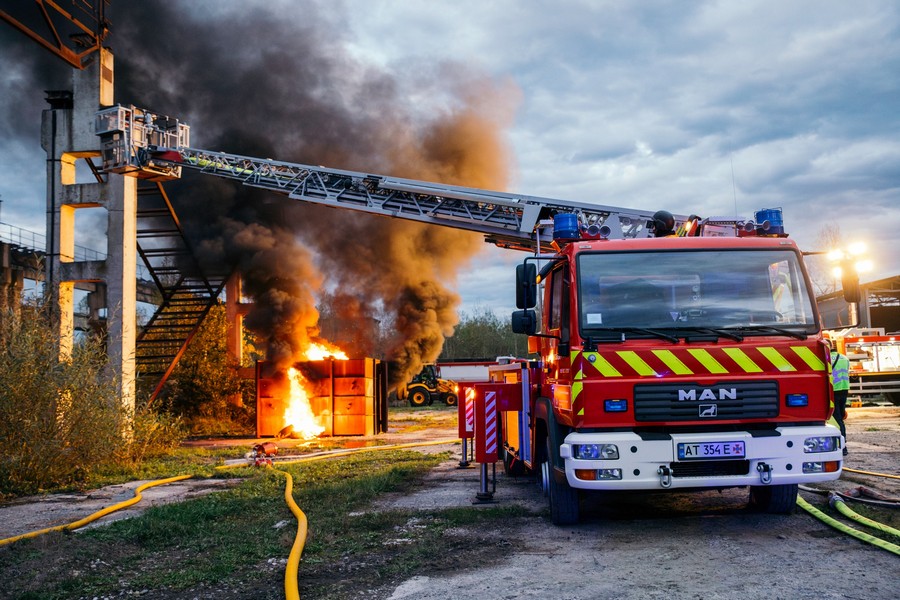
277,80
262,85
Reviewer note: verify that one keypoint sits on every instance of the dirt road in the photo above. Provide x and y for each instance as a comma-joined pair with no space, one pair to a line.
704,545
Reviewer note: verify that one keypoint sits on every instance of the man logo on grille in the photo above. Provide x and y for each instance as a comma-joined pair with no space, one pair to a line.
708,394
709,410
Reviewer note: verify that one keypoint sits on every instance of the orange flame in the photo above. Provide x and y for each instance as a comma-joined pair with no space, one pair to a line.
321,351
299,414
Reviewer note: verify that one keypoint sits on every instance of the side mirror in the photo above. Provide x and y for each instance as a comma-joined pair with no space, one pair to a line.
526,285
524,321
850,284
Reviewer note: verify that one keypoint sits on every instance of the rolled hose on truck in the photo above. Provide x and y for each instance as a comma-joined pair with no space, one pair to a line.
836,501
291,587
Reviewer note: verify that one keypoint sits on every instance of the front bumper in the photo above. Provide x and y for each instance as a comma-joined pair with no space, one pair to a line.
648,464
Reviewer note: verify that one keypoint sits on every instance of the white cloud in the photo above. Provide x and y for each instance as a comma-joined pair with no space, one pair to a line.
649,105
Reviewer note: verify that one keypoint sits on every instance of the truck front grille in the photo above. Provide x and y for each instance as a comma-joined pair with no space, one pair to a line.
695,402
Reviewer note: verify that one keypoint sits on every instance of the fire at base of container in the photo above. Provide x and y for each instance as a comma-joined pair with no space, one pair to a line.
325,397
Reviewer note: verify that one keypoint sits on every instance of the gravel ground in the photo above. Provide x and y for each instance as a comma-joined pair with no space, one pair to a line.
671,545
700,545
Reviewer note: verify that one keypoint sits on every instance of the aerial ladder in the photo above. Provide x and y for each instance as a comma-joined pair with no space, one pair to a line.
155,148
150,146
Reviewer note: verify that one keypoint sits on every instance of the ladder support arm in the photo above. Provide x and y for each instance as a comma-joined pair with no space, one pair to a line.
508,220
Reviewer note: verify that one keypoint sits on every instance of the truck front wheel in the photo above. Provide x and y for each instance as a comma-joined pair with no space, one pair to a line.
451,399
775,499
563,498
418,396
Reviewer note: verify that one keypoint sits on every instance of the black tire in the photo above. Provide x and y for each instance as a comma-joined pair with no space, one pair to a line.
451,399
563,498
774,499
418,396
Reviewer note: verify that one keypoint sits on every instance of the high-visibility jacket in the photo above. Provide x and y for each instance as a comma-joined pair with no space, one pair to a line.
840,371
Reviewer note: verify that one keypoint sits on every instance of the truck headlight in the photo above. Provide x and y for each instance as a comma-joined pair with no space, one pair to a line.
823,443
830,466
596,451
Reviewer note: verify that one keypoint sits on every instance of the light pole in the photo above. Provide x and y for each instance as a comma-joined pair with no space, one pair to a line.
850,263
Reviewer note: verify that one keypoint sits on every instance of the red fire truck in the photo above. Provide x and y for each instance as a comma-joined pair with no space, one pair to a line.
671,363
874,363
666,363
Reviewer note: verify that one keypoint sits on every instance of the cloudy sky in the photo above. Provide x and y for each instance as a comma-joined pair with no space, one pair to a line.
713,108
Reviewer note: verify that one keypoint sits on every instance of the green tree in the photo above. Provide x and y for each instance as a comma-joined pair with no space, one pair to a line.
483,335
204,380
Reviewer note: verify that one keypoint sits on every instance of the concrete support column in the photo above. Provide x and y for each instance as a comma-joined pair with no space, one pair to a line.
67,135
235,310
12,281
121,282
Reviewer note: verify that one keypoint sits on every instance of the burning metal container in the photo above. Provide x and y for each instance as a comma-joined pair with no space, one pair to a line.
326,397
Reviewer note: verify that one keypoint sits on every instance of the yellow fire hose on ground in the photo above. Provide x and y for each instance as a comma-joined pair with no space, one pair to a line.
291,588
871,473
291,585
837,502
846,528
100,513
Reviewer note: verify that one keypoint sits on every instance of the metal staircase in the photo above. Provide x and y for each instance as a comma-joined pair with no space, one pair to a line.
187,292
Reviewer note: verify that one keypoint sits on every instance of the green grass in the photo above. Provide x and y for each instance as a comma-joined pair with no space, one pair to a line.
240,537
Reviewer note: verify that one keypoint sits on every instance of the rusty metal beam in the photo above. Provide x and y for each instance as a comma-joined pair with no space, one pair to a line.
72,30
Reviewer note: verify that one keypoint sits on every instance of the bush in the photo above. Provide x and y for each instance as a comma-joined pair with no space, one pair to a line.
61,421
152,434
203,383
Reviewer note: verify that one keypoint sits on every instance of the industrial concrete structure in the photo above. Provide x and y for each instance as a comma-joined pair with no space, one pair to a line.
67,135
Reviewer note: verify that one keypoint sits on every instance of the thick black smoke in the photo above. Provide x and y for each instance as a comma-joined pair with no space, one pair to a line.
271,86
280,83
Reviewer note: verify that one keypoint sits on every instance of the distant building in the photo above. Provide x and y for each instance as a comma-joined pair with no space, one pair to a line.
879,306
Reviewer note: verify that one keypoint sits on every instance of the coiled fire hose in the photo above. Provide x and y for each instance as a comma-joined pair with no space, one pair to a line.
837,502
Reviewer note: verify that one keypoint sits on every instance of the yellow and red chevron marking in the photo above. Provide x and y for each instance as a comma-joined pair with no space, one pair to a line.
745,360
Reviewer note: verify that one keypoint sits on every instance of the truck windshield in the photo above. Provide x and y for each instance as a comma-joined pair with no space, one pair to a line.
750,292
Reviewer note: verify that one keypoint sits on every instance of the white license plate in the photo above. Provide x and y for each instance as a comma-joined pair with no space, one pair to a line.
710,450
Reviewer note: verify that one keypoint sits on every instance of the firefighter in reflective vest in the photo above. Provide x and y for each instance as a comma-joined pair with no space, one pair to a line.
840,381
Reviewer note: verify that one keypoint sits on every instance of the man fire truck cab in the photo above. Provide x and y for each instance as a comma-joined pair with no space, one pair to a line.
694,361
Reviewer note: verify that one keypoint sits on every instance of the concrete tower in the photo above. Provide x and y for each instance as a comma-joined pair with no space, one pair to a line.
67,135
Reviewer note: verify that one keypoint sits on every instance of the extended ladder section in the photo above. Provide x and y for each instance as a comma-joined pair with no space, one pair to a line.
156,147
507,220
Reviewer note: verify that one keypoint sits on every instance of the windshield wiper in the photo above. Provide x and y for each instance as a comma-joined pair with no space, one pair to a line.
659,334
731,335
770,329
